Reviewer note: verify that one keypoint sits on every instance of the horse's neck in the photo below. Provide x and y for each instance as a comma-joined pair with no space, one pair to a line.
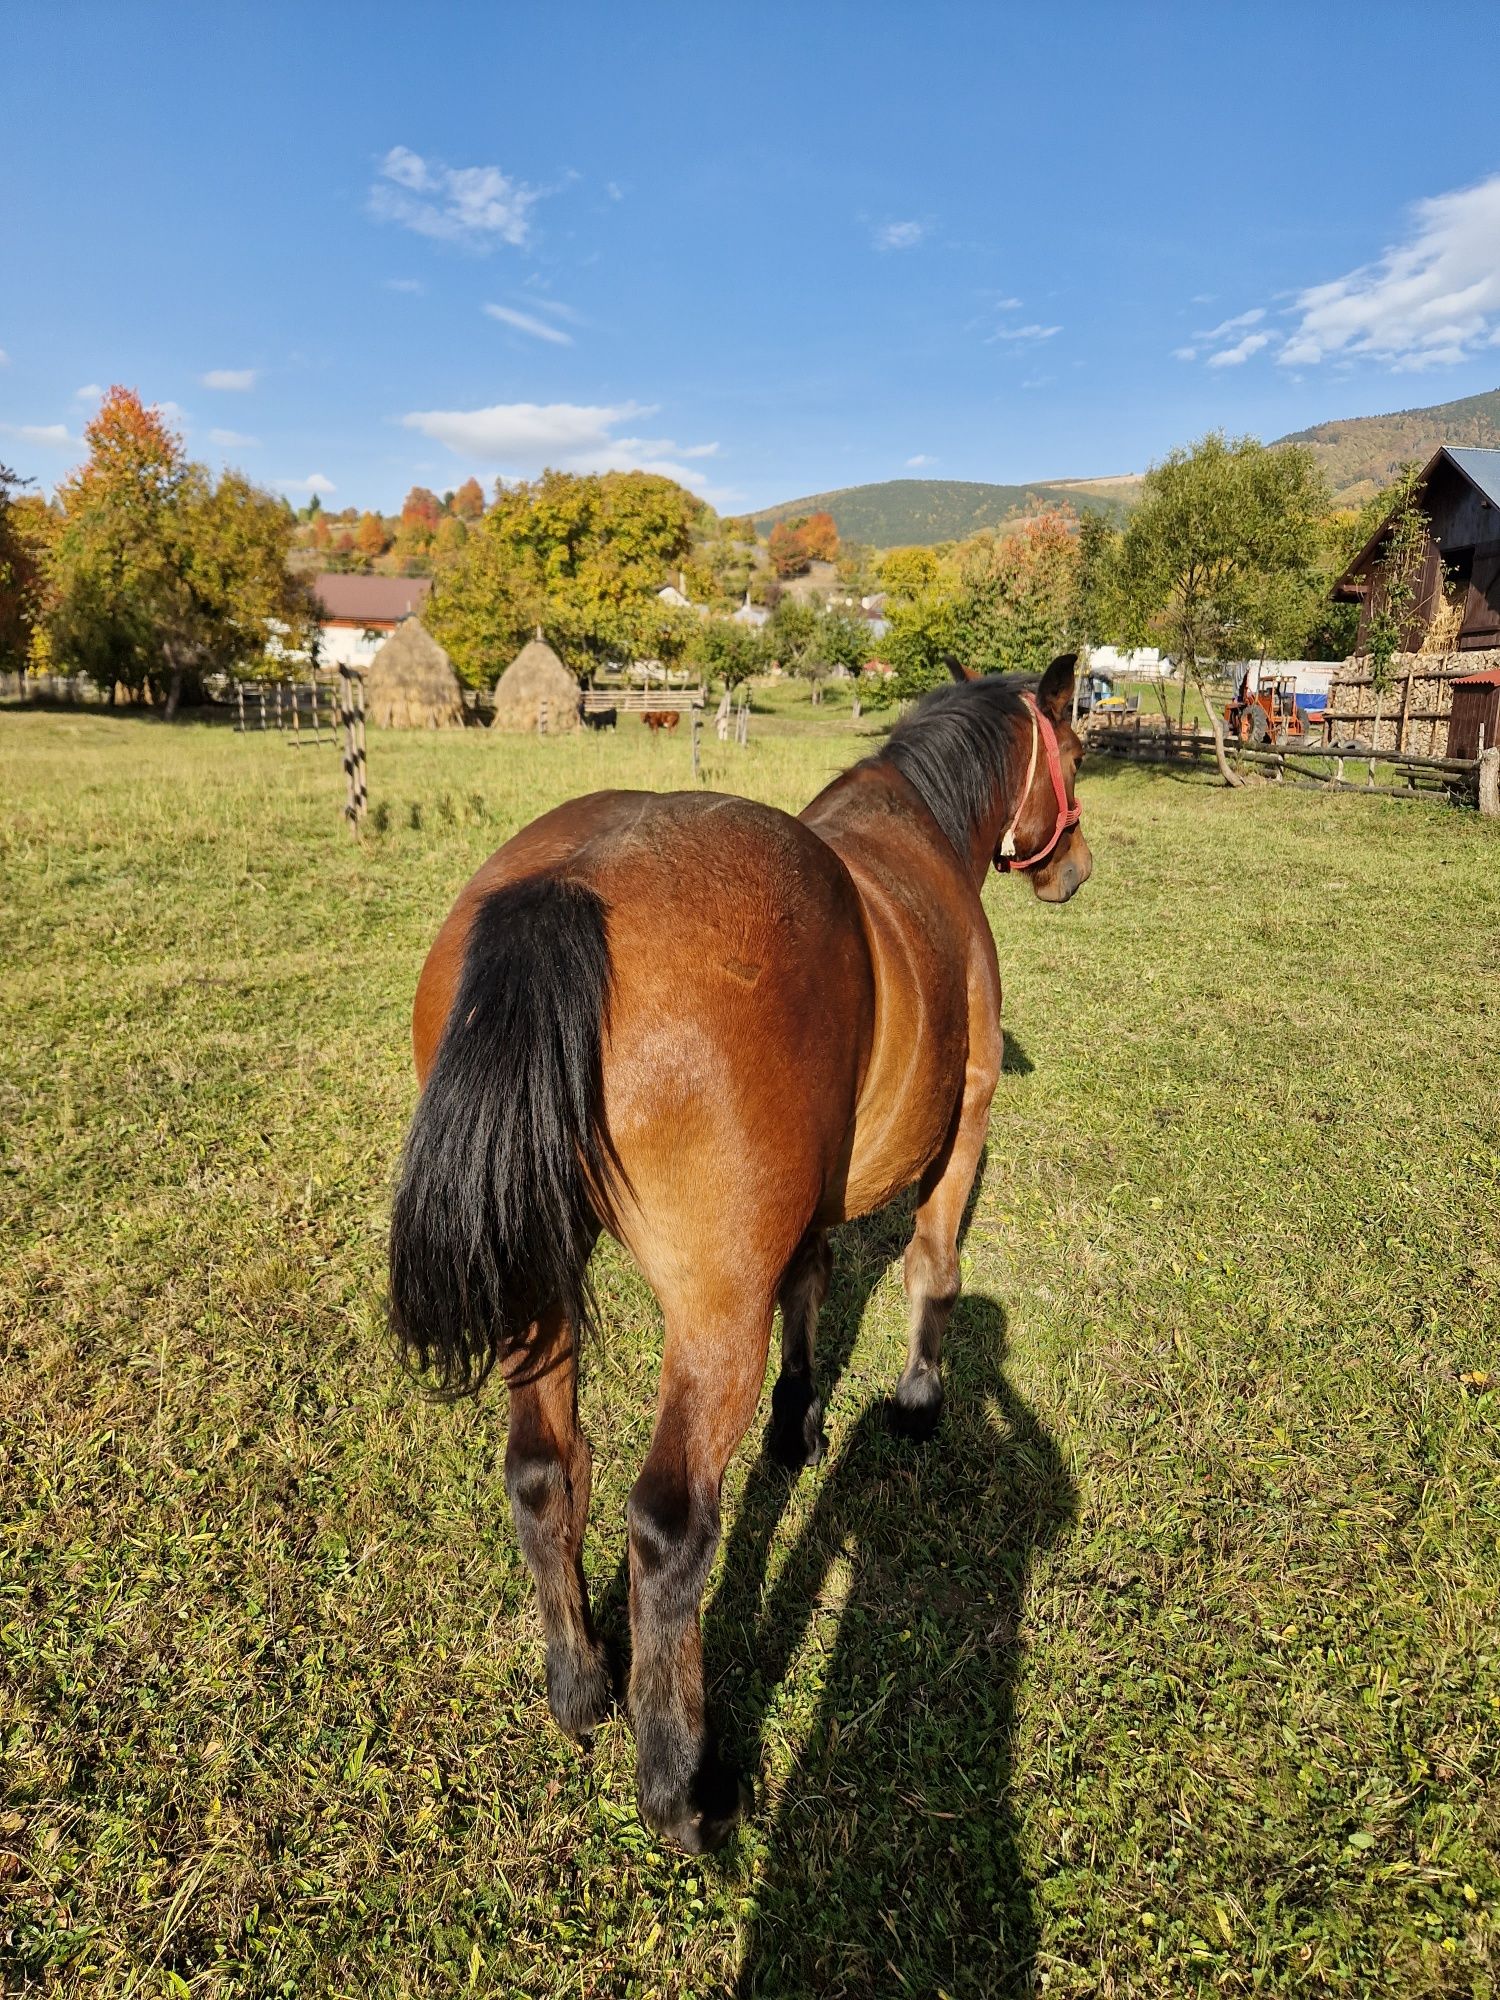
876,820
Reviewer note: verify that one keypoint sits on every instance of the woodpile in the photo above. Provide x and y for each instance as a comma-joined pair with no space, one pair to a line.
1414,709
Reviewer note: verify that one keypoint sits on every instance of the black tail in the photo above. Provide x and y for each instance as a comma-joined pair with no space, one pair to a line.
493,1222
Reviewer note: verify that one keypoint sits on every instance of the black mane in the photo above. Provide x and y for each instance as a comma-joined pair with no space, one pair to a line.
955,750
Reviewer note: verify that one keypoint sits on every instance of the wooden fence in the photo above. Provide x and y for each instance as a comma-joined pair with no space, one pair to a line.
1313,768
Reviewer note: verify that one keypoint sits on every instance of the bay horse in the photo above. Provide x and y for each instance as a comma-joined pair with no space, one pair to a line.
648,1013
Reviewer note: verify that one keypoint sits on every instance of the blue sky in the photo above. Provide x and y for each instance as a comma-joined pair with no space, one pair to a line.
772,249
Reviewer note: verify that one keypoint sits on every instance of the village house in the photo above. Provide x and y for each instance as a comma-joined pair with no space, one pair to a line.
359,613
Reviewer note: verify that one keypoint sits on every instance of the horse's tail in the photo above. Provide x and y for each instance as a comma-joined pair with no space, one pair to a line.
494,1220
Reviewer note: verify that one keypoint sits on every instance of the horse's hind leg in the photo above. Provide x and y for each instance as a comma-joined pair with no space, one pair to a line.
712,1369
795,1436
930,1269
548,1469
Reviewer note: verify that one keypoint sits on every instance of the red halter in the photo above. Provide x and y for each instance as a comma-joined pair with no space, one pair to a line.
1041,731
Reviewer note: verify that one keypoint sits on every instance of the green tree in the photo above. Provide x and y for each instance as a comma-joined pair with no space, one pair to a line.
1393,604
1225,534
582,555
25,535
726,652
906,574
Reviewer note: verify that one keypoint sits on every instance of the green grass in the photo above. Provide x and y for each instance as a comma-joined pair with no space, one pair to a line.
1173,1667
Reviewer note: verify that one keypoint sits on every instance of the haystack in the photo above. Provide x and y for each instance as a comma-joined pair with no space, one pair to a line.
410,683
534,676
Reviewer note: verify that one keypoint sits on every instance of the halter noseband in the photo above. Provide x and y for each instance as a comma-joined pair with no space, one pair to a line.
1042,731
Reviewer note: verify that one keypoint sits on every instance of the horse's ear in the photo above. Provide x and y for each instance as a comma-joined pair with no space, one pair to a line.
958,670
1054,693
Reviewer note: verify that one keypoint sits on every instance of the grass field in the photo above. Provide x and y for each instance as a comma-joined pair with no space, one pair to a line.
1174,1666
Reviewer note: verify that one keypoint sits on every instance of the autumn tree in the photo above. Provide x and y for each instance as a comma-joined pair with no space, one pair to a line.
820,537
421,511
370,537
468,501
163,575
787,551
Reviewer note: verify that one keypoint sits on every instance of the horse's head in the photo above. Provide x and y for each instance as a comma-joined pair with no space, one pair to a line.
1042,836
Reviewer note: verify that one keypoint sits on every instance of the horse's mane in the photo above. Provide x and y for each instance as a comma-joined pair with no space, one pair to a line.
955,747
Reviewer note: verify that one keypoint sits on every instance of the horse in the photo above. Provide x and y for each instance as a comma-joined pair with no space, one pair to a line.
649,1012
657,719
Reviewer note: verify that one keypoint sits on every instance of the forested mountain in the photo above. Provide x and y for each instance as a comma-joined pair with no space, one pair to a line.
894,513
1362,454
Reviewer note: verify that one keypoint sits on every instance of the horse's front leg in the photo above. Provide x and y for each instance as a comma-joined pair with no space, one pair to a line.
712,1367
930,1269
548,1472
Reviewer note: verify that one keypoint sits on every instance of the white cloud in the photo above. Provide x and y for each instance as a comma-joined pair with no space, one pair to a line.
233,440
412,285
4,358
899,235
42,434
523,322
477,206
1032,332
230,378
1184,354
314,483
920,458
1428,302
170,412
1233,357
1252,318
89,393
524,438
614,190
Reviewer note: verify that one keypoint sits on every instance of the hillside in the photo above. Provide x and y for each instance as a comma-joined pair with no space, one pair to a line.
895,512
1361,454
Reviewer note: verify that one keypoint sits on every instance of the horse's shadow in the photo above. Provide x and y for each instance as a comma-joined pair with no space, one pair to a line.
893,1863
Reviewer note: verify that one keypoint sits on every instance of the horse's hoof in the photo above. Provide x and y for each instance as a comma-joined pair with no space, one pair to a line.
916,1407
579,1691
706,1828
794,1436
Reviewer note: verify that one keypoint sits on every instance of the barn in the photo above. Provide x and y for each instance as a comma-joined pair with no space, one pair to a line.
1454,627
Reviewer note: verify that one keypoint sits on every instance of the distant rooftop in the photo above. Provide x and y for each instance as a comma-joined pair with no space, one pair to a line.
374,600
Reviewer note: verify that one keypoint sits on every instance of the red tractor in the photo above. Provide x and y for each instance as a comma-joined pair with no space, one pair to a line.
1271,714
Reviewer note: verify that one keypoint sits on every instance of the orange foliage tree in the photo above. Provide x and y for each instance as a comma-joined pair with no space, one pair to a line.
163,575
468,501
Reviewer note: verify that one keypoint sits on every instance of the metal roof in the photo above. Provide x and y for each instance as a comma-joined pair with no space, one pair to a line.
353,598
1479,466
1489,679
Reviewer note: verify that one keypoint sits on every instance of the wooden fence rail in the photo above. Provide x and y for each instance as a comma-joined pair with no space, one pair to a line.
1297,763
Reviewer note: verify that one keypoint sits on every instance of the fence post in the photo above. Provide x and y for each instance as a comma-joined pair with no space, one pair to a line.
541,718
1489,782
353,706
697,730
239,697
